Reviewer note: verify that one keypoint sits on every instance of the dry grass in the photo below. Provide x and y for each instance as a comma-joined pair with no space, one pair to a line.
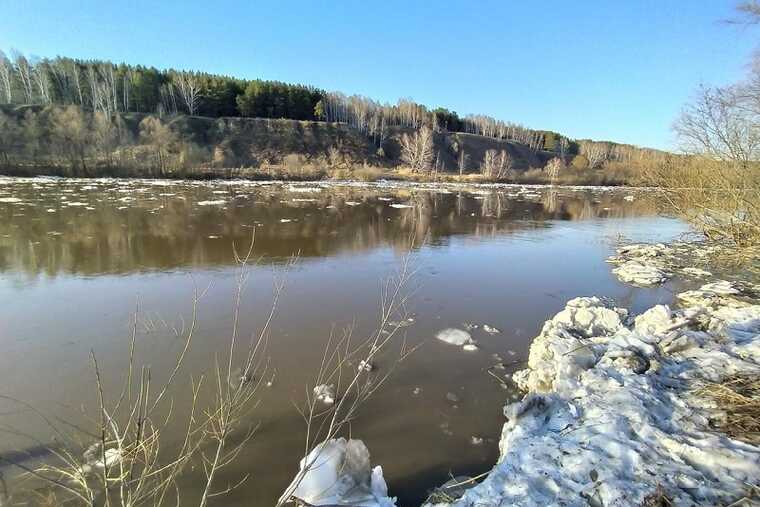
657,498
722,199
738,397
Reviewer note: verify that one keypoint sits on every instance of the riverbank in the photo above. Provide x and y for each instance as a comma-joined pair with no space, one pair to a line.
625,410
304,171
70,141
658,408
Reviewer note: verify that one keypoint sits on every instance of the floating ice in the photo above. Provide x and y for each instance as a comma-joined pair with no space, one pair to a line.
211,203
338,472
294,188
455,336
490,329
400,206
640,274
325,393
696,271
10,200
97,459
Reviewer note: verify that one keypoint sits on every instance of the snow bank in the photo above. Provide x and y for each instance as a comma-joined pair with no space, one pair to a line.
609,417
338,472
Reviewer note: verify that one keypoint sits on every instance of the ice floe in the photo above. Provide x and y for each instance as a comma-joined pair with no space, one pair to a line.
338,472
640,274
458,337
325,393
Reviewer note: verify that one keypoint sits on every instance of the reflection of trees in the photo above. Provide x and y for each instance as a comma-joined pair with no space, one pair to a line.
132,228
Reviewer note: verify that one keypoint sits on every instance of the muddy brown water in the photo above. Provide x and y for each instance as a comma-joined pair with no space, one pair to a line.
76,256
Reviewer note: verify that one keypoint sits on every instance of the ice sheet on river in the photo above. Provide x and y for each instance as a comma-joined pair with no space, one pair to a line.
609,417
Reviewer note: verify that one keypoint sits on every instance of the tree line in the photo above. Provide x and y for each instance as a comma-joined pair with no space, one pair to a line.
110,88
103,86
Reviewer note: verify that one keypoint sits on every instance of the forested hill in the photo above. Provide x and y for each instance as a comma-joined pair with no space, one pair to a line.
110,88
105,88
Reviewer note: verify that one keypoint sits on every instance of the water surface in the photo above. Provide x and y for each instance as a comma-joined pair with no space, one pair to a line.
76,256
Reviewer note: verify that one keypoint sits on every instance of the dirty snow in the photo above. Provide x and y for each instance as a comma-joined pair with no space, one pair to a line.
608,416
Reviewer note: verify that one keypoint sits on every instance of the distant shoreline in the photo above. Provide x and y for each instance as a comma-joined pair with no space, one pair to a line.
389,178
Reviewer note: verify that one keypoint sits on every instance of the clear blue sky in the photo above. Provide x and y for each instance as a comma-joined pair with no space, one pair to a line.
606,69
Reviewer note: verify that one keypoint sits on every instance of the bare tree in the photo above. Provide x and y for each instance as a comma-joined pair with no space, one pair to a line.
71,134
722,123
563,146
189,88
496,164
749,13
168,99
462,160
596,152
716,185
8,137
24,73
6,77
553,168
40,77
160,138
417,149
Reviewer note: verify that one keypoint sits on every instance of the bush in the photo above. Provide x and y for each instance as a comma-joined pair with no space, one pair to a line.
579,163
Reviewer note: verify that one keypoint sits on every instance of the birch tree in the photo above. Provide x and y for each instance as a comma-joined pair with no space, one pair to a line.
39,73
595,152
6,77
417,149
496,164
189,88
24,73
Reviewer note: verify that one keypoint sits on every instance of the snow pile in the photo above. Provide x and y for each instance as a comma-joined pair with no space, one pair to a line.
719,294
609,416
640,274
338,472
642,264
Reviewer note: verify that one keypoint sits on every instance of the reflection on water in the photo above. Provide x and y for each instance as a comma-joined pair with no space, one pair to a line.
96,227
75,254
